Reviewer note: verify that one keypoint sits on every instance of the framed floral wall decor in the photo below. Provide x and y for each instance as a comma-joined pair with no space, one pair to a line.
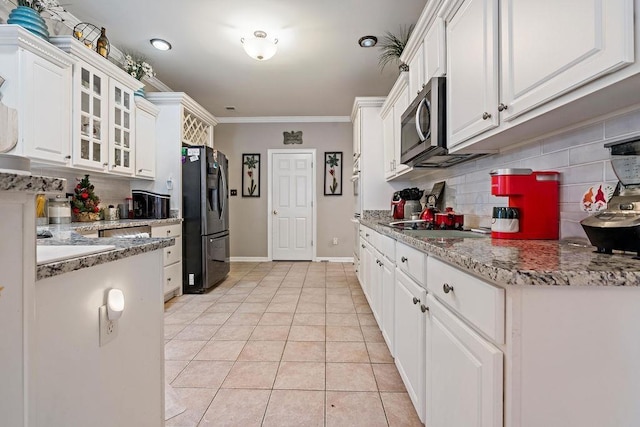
333,173
251,175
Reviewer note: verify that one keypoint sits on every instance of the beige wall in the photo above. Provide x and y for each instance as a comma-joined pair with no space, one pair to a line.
249,217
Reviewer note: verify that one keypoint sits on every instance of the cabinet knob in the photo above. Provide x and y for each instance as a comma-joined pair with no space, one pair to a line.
67,157
168,252
485,115
415,300
367,234
424,308
362,246
168,231
169,279
418,92
105,164
140,170
447,288
502,107
113,166
404,259
275,212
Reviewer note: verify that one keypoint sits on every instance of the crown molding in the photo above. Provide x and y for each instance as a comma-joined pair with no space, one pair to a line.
18,37
173,98
419,32
286,119
366,101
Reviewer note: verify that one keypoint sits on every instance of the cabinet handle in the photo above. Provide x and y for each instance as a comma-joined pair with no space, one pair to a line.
415,300
140,170
169,279
168,252
168,231
424,308
105,164
502,107
67,157
367,234
114,166
447,288
362,246
485,115
403,259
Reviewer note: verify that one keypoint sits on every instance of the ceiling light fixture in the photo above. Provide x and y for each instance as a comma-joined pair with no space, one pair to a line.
160,44
368,41
260,47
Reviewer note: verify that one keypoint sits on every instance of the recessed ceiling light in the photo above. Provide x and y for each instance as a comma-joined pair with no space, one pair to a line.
160,44
368,41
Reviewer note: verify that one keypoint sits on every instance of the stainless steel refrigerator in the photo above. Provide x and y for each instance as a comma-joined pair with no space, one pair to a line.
205,211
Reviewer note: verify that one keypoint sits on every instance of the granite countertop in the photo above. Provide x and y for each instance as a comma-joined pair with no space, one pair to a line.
36,184
525,262
81,227
125,247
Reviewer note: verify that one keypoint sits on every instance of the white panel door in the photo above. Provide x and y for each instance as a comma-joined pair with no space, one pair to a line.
292,203
464,373
575,41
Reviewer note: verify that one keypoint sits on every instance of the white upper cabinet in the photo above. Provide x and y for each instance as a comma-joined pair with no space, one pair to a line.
394,106
121,128
550,47
472,70
416,72
38,85
435,64
103,111
509,58
146,116
90,87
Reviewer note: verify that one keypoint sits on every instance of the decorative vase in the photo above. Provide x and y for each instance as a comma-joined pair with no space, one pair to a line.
87,216
29,19
139,92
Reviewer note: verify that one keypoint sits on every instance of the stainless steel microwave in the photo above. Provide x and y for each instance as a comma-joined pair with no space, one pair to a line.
423,132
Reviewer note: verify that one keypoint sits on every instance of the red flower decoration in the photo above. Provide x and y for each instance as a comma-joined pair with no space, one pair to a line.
85,195
332,172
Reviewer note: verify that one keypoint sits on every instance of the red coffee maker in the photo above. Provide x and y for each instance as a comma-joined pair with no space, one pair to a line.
536,197
397,206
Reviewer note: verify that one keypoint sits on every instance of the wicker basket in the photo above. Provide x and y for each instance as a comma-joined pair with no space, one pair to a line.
87,216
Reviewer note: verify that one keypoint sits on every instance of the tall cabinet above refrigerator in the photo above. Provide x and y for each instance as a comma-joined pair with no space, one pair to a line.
205,211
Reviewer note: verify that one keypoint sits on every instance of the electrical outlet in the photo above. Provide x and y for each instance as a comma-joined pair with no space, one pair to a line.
335,240
108,328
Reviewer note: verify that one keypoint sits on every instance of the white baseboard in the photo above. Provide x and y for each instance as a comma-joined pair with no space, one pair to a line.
334,259
248,259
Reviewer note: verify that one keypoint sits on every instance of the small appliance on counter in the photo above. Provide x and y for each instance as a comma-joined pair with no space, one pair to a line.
397,206
59,210
148,205
618,226
406,203
449,220
535,195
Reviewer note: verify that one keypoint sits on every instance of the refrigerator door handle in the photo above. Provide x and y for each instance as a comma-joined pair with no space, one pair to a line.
221,192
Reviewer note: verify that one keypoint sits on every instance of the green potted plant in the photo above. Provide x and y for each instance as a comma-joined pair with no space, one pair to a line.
137,68
391,47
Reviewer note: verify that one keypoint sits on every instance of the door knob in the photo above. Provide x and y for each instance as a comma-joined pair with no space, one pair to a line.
485,115
502,107
275,212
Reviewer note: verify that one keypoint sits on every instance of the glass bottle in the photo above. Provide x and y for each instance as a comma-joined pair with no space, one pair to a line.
102,44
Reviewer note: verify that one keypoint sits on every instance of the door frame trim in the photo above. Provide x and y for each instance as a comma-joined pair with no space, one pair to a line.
314,213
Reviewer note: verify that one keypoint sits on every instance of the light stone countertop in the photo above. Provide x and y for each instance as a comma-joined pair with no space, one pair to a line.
125,247
36,184
83,227
523,262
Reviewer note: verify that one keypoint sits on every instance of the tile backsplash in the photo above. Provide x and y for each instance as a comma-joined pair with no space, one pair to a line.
577,153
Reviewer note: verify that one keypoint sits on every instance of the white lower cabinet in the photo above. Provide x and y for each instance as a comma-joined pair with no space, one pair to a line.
172,259
387,304
409,336
464,373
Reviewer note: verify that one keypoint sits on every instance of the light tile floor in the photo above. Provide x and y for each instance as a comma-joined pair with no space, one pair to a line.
282,344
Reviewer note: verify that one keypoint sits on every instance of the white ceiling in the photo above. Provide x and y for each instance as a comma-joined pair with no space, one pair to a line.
318,70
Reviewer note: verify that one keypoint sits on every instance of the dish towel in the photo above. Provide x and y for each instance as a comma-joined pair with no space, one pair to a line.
172,404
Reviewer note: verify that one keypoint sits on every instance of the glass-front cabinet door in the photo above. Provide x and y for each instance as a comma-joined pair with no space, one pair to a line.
121,128
90,121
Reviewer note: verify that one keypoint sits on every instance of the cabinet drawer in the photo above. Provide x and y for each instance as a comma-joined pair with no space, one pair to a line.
173,253
172,277
412,262
370,236
387,247
478,302
173,230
